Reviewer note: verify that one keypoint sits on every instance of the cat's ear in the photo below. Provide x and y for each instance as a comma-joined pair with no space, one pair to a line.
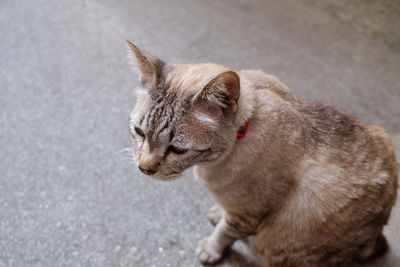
223,91
149,67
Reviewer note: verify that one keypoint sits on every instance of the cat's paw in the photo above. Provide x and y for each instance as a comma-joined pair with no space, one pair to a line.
215,214
208,251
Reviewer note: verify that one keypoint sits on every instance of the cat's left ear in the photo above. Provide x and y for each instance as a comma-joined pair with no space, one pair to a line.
223,92
149,67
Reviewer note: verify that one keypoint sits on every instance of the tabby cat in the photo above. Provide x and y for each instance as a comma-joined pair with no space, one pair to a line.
311,184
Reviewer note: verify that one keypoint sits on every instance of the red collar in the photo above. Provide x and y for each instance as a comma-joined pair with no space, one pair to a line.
242,130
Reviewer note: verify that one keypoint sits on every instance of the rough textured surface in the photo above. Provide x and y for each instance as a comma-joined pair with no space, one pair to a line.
68,197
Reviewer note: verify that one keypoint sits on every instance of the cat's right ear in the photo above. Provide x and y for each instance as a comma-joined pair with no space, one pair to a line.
148,66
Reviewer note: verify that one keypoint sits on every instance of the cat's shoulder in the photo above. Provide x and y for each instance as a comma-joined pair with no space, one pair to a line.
264,83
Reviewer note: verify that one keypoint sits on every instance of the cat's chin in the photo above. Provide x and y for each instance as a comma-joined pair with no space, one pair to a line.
166,178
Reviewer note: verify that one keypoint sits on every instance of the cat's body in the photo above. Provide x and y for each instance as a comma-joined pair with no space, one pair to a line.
320,181
312,184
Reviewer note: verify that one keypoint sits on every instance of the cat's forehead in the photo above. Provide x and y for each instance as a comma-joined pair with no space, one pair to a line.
172,121
161,116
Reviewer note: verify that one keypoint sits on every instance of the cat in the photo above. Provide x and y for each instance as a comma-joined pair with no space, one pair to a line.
312,185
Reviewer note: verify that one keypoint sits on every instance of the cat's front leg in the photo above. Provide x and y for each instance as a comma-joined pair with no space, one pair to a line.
211,248
215,213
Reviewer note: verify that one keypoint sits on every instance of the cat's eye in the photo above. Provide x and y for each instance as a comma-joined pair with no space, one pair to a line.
139,131
177,150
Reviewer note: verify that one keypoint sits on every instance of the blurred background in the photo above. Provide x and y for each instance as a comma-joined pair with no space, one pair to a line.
69,196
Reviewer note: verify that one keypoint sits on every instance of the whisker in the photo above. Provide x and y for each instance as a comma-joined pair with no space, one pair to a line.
126,156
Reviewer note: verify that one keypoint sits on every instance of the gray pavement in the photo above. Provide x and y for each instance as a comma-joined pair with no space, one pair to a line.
69,195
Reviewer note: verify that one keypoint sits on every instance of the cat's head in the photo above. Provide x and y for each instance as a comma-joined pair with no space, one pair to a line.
184,114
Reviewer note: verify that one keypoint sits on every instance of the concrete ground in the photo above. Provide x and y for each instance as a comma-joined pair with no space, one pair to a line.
69,196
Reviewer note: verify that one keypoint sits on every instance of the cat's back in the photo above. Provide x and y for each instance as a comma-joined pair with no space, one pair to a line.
328,153
319,125
346,141
344,172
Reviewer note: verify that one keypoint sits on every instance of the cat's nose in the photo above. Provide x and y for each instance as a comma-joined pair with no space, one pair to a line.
147,171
